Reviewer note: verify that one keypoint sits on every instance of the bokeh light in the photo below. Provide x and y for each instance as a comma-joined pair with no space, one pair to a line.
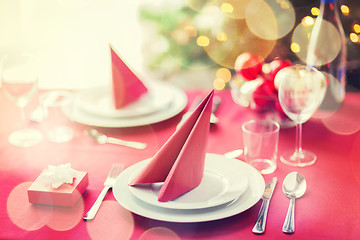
33,217
159,233
356,28
354,37
234,9
327,45
23,214
308,20
345,10
270,19
295,47
227,8
121,227
326,50
203,41
315,11
219,84
224,74
300,40
239,40
261,20
345,121
66,218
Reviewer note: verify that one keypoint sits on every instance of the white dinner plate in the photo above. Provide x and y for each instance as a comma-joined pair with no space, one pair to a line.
222,182
249,198
99,101
178,103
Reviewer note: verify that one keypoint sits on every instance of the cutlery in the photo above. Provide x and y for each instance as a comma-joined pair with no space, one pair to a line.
234,154
261,218
102,139
195,103
109,183
294,186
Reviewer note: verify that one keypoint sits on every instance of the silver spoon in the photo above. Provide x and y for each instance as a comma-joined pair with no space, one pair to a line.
294,186
102,139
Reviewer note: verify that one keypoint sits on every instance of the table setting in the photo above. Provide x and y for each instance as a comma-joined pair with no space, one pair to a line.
186,180
235,219
146,160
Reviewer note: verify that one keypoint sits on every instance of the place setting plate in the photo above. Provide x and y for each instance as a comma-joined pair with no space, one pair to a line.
99,101
219,185
229,187
163,102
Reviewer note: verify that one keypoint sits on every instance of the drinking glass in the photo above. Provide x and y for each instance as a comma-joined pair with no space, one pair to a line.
58,125
19,82
261,139
301,90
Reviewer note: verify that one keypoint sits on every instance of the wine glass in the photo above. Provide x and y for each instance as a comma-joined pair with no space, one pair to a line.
19,82
301,90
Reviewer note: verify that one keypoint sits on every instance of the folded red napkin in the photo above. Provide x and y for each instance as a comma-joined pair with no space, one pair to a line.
127,87
180,161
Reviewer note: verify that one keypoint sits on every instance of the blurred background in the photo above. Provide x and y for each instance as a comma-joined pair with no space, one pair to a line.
192,43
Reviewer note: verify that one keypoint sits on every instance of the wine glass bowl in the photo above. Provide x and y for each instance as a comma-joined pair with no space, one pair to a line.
301,90
19,82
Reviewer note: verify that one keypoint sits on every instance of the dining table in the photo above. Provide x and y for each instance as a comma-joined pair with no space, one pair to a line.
329,209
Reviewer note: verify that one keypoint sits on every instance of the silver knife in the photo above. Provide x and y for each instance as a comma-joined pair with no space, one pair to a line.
261,219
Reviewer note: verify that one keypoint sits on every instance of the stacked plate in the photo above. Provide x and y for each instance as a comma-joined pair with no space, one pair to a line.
229,187
95,107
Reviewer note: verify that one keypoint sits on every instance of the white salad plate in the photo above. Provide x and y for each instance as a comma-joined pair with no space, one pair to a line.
252,194
172,108
221,183
99,101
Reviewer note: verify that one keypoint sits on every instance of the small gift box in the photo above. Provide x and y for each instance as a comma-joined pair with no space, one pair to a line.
58,186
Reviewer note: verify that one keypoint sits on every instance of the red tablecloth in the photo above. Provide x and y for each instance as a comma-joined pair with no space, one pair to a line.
330,208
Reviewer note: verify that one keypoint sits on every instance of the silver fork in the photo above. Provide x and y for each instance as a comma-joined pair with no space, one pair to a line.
109,183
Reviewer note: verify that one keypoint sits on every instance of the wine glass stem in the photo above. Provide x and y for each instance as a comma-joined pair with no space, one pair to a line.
298,147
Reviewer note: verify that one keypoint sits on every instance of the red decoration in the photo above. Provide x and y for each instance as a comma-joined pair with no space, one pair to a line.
249,66
265,96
